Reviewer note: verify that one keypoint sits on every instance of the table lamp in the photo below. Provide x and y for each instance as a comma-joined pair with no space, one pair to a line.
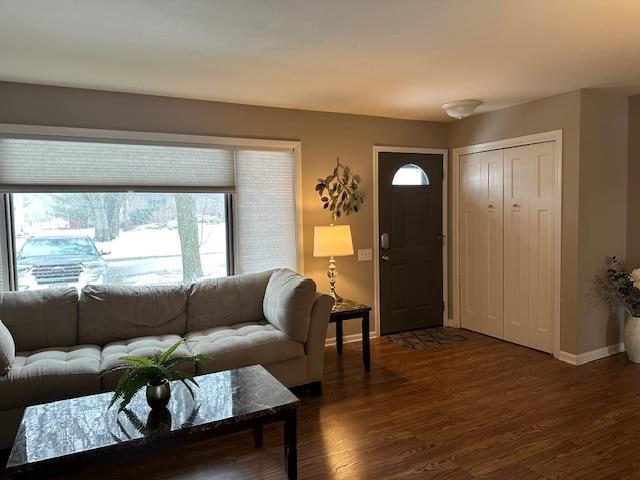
332,241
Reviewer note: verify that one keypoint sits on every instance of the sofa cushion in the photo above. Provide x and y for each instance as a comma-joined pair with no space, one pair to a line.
288,301
50,374
109,314
241,345
7,349
41,318
144,347
225,301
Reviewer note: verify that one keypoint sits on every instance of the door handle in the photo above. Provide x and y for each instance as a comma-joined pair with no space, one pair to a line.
385,258
384,241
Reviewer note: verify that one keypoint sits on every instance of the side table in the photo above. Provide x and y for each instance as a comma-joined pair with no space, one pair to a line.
349,310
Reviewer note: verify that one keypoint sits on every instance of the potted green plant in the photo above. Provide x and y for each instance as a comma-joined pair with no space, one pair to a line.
154,373
620,287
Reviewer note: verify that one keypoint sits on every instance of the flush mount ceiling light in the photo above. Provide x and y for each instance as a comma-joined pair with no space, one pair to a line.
461,108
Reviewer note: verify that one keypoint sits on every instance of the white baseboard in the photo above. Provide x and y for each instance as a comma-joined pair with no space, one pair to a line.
356,337
587,357
450,323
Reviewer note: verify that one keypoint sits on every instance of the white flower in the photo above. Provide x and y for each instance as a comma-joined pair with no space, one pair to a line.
635,278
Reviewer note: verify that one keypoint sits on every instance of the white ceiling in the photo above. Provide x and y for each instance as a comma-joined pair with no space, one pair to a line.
396,58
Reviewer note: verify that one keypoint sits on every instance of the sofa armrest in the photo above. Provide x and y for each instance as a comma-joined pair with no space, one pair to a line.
314,345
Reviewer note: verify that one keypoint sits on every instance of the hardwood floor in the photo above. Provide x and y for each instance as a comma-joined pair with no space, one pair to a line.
481,408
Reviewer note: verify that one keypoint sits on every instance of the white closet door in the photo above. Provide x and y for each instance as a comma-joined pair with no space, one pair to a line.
542,244
471,300
529,245
516,244
482,242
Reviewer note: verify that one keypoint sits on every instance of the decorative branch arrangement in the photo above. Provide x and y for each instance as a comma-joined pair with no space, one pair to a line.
338,191
619,287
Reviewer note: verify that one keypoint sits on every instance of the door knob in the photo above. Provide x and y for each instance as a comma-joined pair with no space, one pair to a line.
491,206
385,258
516,205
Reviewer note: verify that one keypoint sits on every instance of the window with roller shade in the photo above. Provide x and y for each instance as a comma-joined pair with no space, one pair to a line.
36,165
123,212
265,210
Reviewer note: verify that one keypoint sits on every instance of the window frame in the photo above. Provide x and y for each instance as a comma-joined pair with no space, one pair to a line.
11,252
7,247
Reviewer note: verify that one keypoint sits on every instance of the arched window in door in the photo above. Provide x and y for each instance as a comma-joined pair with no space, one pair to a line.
410,174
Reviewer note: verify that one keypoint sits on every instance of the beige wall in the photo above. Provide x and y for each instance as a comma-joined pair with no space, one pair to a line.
594,125
323,136
603,208
633,183
560,112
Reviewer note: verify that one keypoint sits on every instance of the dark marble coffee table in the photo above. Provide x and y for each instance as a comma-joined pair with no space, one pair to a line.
54,435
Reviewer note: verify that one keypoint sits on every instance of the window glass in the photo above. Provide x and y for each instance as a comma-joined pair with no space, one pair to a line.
73,239
410,174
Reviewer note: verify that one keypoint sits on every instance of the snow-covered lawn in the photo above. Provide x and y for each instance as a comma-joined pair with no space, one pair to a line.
150,255
144,242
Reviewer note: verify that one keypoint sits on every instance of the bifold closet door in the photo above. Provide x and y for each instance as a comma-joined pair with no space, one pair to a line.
529,245
517,244
481,257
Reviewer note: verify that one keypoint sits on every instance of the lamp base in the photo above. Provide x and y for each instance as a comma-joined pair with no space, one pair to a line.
332,273
337,298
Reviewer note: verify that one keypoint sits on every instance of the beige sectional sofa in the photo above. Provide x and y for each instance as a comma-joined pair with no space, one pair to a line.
62,340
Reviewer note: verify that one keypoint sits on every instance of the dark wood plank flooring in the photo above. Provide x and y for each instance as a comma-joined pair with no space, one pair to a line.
477,409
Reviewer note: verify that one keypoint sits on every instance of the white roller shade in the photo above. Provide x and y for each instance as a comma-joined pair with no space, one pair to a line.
45,165
265,210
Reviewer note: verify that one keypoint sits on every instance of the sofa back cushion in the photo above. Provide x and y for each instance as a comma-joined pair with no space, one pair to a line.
227,300
109,314
288,301
41,318
7,350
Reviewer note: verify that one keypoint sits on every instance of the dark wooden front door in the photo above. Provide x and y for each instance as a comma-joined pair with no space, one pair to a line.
410,253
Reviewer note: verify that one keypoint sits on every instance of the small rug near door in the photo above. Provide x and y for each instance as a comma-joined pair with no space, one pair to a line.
428,337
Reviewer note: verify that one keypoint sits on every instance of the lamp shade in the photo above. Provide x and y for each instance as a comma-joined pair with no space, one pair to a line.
332,241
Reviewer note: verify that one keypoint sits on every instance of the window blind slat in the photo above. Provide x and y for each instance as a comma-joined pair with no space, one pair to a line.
39,165
265,210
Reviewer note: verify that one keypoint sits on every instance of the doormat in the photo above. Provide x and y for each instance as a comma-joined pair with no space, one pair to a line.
428,337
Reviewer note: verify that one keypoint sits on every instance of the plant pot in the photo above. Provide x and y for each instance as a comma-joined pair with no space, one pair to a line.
158,395
632,339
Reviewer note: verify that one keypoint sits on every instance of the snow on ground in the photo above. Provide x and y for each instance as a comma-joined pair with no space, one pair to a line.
144,242
150,254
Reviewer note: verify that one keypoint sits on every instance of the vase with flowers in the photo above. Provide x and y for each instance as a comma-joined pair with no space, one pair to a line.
619,287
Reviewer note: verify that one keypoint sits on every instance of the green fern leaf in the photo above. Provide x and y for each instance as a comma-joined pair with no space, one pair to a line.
137,361
136,382
193,396
168,352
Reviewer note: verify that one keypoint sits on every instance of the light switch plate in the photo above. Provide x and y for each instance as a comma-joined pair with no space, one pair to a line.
364,254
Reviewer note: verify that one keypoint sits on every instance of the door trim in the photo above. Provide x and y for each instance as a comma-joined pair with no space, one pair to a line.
551,136
377,149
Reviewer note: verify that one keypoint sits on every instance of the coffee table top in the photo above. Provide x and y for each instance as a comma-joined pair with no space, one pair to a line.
83,426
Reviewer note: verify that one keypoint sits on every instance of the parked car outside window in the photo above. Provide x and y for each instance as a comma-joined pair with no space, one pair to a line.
60,261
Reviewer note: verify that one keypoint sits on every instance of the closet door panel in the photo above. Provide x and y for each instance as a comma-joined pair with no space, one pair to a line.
471,299
492,228
516,244
482,239
542,236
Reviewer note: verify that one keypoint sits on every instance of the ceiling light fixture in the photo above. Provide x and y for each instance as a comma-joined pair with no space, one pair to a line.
461,108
